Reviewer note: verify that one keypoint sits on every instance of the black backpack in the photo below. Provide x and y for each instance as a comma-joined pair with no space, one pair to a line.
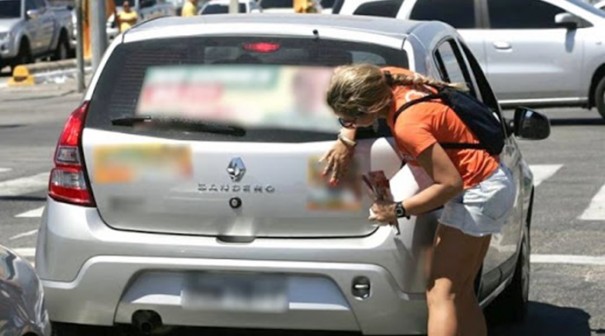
477,116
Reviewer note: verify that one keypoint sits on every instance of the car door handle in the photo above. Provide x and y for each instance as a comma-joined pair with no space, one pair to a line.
501,45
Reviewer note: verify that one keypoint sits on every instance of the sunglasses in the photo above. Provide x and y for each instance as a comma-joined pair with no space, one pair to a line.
352,122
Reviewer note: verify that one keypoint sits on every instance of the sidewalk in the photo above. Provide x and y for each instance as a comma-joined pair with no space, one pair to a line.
41,91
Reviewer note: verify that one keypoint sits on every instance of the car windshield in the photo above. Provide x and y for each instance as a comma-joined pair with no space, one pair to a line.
254,83
10,9
221,9
592,9
277,3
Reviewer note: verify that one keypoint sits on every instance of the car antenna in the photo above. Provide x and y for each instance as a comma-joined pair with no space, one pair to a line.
316,33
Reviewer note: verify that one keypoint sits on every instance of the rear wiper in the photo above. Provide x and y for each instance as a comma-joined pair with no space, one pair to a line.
180,124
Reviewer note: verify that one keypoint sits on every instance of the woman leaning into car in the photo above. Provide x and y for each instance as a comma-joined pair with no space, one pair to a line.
476,191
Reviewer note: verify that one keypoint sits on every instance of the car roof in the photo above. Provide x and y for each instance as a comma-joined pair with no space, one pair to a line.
367,24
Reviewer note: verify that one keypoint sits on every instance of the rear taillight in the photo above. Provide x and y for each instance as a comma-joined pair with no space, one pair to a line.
68,182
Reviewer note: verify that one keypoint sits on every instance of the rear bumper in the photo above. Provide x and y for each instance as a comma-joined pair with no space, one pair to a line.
93,274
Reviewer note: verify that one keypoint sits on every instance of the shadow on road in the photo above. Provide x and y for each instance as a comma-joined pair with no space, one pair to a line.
577,121
545,320
23,198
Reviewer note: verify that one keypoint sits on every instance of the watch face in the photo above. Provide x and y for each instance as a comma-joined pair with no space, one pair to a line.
399,210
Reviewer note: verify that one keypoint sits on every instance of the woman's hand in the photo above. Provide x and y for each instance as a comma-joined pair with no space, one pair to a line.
337,159
383,212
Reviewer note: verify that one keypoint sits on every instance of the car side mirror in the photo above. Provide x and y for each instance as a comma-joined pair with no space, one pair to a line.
567,20
531,125
33,14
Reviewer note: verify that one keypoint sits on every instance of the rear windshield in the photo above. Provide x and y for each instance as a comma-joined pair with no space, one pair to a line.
273,88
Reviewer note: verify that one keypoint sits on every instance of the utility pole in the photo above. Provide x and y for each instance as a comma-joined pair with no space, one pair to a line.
80,45
233,6
98,33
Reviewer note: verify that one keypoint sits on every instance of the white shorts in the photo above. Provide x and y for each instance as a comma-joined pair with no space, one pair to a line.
483,209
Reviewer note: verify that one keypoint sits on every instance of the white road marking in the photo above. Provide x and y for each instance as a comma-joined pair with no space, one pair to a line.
596,209
25,252
36,213
24,185
567,259
4,170
24,234
543,172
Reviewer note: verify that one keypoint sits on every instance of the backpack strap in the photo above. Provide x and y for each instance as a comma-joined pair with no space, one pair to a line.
414,102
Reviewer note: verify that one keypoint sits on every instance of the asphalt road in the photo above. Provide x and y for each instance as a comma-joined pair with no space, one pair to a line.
568,253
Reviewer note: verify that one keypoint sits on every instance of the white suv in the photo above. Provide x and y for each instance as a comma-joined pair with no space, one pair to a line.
538,53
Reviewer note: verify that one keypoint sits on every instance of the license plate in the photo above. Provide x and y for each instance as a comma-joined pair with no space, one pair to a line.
235,292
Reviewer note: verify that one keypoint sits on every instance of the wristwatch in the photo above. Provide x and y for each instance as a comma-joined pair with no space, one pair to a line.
400,211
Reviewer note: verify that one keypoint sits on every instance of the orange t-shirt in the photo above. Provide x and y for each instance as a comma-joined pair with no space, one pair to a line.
424,124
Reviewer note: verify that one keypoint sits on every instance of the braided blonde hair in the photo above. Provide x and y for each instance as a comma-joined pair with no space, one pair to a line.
366,88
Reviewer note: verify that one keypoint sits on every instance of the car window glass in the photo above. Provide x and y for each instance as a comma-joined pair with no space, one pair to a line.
487,95
277,4
30,4
327,3
337,6
221,9
122,83
458,14
40,4
522,14
147,3
451,64
384,8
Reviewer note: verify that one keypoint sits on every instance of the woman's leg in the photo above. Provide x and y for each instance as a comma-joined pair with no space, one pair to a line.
453,265
472,319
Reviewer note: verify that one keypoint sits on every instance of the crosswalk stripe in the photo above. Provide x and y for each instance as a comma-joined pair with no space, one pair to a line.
543,172
36,213
24,234
24,185
567,259
596,208
25,252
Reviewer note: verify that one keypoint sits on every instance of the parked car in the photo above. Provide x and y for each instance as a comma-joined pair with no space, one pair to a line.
172,204
146,9
22,307
178,5
525,47
222,7
31,29
284,6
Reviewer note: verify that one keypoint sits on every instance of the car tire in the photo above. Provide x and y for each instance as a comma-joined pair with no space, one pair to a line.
62,50
600,97
511,305
24,56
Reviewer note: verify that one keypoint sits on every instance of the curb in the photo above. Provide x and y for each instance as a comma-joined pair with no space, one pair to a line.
39,73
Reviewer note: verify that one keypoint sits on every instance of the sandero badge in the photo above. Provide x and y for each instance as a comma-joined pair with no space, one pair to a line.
236,169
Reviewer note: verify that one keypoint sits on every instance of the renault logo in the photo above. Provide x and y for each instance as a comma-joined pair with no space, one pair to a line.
236,169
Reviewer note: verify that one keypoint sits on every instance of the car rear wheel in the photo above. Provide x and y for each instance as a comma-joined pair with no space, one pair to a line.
62,51
600,97
511,305
24,56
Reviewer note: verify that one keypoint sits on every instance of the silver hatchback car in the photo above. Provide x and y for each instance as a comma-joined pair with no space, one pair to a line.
186,189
